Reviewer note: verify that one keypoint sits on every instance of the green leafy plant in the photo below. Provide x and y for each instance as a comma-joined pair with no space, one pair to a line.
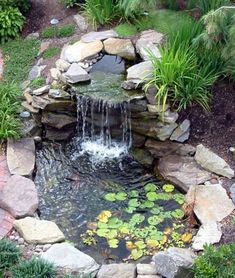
58,32
126,29
37,83
216,262
51,52
34,268
134,8
71,3
9,254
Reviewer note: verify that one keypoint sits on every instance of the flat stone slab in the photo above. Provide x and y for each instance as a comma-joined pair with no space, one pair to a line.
121,47
182,171
152,36
4,171
66,256
80,51
41,90
99,36
21,156
57,120
211,202
81,22
38,231
146,269
139,72
6,223
117,271
19,197
145,47
76,74
212,162
182,132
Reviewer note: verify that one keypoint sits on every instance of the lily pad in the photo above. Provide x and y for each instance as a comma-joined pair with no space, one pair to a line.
124,229
147,204
156,210
104,216
152,196
155,220
136,254
111,197
121,196
150,187
178,213
113,243
134,194
134,203
102,225
130,210
137,218
187,237
140,244
140,233
112,234
102,232
163,196
114,223
179,198
152,243
157,235
168,187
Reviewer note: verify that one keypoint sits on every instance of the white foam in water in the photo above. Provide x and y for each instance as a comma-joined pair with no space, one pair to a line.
100,152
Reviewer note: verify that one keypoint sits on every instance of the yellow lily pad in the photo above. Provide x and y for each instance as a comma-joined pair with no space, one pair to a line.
104,216
187,237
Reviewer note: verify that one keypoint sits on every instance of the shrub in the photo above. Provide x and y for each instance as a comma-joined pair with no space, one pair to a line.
9,253
11,22
216,262
34,268
51,52
22,5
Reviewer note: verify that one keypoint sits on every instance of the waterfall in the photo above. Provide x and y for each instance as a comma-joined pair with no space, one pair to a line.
104,128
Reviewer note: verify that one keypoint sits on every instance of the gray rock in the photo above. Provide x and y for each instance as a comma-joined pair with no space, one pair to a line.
55,134
81,22
145,47
214,198
21,156
171,117
175,262
121,47
29,107
212,162
138,140
232,192
139,72
25,114
182,171
146,269
30,128
57,120
42,90
36,231
19,197
182,132
142,156
130,85
158,109
209,233
54,21
33,36
59,94
65,256
35,72
62,65
55,74
117,271
99,36
148,276
76,74
152,36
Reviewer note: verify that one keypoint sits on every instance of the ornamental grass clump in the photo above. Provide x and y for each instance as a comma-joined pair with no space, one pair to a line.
9,254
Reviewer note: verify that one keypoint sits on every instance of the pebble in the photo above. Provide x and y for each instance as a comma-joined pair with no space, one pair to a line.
54,21
232,149
25,114
21,241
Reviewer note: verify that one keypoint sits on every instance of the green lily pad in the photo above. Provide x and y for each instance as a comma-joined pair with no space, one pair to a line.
134,194
111,197
102,225
113,243
102,232
156,235
178,213
168,187
137,218
156,210
136,254
150,187
112,234
134,203
130,210
152,196
114,223
124,229
155,220
121,196
163,196
140,244
179,198
147,204
140,233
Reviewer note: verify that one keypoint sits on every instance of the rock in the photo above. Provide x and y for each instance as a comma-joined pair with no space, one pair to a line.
209,233
145,47
39,62
59,94
212,197
142,156
21,156
19,197
81,51
170,117
55,73
182,171
138,140
160,149
212,162
31,128
157,109
81,22
139,72
164,131
174,262
25,114
181,133
148,276
29,107
44,45
62,65
42,90
64,255
152,36
35,72
232,192
57,120
146,269
130,85
36,231
6,223
99,36
138,105
121,47
33,36
28,97
117,271
76,74
54,134
54,21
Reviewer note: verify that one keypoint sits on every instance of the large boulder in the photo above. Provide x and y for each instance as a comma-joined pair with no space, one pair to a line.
146,269
174,262
57,120
67,257
81,51
146,49
117,271
99,36
21,156
140,72
183,171
37,231
76,74
121,47
212,162
19,197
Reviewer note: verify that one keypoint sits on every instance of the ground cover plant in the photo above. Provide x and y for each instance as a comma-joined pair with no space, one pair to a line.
58,31
51,52
141,221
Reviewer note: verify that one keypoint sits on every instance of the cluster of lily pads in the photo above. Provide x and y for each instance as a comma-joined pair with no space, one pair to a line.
137,224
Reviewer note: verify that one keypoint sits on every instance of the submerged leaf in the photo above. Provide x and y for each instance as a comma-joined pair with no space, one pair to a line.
130,209
130,245
179,198
156,210
168,187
